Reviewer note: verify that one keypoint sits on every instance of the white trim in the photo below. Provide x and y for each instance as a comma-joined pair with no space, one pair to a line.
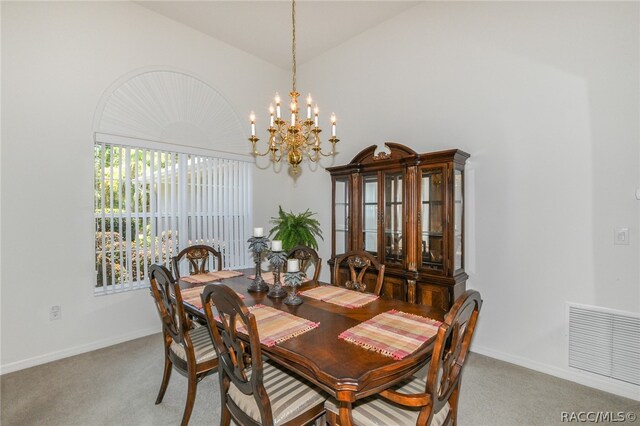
165,146
76,350
596,381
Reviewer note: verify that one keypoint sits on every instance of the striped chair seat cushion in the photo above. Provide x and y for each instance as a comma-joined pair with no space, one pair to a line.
377,411
290,396
202,345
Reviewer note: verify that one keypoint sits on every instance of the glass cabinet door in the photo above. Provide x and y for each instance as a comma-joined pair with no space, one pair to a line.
393,218
341,215
458,209
370,213
432,217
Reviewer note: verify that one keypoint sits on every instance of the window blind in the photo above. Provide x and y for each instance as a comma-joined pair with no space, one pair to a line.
151,203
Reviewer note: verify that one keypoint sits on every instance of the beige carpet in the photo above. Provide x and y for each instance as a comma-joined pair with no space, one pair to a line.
118,386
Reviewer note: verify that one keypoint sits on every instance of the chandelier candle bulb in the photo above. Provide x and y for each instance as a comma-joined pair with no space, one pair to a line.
309,107
333,124
252,117
277,99
276,245
258,232
293,265
271,114
316,110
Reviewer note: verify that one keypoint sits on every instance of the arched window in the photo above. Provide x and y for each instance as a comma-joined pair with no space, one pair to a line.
157,190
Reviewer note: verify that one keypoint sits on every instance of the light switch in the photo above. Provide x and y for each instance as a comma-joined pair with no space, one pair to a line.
621,236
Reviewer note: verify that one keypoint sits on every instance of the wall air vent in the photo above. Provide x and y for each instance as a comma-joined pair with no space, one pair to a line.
605,341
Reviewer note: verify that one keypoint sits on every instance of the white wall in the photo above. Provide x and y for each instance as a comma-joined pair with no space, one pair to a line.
544,96
57,61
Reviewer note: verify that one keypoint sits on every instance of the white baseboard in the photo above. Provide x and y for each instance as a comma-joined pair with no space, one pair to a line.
602,383
77,350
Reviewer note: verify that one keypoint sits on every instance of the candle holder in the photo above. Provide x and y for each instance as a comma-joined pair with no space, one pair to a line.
293,280
277,259
258,245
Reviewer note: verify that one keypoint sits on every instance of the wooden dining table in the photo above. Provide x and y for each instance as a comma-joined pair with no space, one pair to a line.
346,371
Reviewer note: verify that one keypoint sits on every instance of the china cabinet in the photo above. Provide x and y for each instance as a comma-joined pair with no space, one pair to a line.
407,210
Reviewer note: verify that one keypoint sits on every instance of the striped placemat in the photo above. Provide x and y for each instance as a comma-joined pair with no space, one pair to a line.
192,296
275,326
208,277
393,333
340,296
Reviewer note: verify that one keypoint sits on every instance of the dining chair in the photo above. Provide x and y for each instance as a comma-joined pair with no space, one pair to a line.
254,391
307,256
433,401
187,345
198,257
359,262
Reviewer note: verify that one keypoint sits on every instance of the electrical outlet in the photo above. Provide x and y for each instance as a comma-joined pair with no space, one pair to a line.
621,236
55,313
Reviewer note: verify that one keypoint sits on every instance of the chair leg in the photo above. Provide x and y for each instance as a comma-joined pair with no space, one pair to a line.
191,396
332,418
166,375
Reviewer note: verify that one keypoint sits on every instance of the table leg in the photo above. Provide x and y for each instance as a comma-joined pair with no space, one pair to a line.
345,413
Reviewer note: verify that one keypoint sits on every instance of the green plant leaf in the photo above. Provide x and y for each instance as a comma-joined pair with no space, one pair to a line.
295,229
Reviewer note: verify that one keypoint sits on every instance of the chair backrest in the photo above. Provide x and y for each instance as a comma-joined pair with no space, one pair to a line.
166,294
231,351
359,262
450,353
306,255
198,257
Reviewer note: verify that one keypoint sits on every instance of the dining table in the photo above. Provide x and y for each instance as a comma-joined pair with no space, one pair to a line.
344,370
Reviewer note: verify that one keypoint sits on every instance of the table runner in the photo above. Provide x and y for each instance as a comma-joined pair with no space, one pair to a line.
208,277
275,326
393,333
267,277
192,296
340,296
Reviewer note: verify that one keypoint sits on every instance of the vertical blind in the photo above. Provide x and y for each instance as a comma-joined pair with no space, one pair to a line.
150,204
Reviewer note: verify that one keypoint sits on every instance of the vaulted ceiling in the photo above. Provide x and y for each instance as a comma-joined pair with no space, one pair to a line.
263,28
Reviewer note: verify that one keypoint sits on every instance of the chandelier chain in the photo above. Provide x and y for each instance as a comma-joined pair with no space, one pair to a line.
293,44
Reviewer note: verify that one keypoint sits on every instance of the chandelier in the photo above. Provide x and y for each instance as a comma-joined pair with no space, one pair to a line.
298,138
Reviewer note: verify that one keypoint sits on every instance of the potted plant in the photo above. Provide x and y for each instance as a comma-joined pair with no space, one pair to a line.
294,229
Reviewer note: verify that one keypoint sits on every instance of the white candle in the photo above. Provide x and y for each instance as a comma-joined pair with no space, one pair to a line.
277,105
252,117
294,108
276,245
333,124
258,232
315,110
271,113
309,106
293,265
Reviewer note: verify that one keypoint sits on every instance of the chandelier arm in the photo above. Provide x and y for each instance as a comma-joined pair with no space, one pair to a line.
256,153
274,158
329,154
